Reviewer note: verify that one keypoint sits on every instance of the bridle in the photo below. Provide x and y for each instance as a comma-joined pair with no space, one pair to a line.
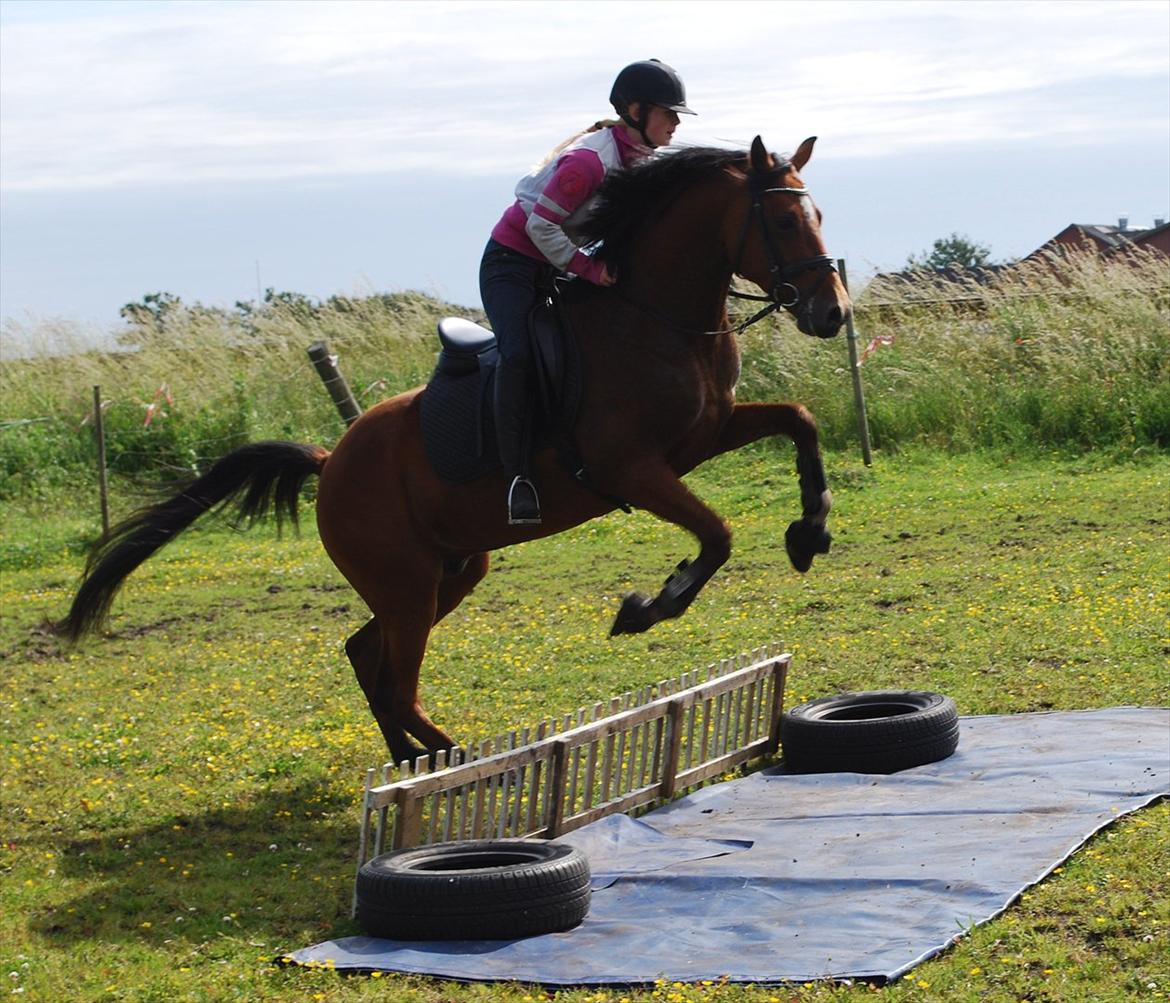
780,273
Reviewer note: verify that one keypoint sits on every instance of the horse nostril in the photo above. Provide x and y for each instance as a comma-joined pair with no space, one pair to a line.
834,318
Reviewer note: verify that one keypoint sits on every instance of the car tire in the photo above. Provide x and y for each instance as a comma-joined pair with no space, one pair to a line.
876,732
501,889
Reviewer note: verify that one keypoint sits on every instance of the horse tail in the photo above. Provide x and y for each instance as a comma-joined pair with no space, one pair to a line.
256,478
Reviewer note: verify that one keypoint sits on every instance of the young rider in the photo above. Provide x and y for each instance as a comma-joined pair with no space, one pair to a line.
529,245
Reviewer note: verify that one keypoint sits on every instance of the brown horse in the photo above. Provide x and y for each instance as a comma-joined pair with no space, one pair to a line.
660,365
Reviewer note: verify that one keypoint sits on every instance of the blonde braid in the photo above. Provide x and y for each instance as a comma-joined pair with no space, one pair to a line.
556,151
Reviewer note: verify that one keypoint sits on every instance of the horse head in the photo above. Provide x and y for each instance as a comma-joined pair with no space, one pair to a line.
779,245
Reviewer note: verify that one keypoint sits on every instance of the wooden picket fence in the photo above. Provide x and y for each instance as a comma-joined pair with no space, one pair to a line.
640,750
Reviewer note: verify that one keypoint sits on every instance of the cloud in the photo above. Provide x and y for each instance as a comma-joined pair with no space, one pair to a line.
113,95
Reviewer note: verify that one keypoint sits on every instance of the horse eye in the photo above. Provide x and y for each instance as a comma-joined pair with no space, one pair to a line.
786,222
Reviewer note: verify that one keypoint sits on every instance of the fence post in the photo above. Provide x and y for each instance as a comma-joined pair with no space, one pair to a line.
326,366
556,814
103,483
855,369
674,723
779,683
408,830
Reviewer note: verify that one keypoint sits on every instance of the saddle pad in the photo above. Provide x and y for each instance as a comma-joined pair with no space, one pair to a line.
458,430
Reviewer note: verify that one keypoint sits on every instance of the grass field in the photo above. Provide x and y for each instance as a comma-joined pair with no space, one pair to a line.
179,797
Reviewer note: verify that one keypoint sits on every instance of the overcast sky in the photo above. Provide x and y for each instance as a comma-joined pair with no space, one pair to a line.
209,148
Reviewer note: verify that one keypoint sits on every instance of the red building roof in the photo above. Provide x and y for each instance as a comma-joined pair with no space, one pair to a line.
1106,239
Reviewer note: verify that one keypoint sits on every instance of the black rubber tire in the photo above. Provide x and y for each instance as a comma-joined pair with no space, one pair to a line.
877,732
489,889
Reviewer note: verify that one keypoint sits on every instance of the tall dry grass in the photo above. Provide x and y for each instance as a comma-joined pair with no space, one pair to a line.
1073,355
186,384
1068,354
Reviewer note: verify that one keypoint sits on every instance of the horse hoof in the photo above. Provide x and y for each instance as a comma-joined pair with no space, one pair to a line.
433,756
804,541
412,753
634,617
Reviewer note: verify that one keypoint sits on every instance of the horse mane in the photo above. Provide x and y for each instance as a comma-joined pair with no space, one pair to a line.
630,198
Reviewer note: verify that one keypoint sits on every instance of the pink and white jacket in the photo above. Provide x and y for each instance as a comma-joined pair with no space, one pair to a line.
545,199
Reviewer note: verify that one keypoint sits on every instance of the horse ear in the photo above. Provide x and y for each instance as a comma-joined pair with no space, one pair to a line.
760,158
803,152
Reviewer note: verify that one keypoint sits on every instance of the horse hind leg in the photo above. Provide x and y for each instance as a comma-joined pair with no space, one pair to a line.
366,653
387,652
459,578
387,655
404,640
364,650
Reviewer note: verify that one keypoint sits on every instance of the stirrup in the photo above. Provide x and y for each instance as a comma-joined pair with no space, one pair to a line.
527,512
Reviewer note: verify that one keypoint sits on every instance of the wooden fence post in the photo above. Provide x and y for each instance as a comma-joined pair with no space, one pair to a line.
103,482
556,812
776,711
326,366
674,723
855,369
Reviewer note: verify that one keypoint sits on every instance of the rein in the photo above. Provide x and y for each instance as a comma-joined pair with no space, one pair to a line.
739,328
780,273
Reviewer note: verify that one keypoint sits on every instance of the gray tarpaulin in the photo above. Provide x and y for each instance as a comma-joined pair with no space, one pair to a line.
779,877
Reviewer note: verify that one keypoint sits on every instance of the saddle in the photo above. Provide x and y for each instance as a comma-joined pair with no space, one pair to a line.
458,426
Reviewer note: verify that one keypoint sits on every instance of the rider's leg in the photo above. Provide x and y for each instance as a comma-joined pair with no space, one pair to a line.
512,412
508,285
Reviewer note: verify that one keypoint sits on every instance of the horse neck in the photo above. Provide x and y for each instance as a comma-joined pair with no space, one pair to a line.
679,267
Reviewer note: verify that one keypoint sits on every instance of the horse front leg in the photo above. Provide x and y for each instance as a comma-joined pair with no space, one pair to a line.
807,536
653,486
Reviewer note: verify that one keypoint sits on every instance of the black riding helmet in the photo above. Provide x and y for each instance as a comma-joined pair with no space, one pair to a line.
646,83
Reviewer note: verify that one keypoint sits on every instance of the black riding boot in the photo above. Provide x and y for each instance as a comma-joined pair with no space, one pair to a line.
513,430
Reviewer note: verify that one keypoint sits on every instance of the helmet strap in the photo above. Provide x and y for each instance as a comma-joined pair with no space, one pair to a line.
638,124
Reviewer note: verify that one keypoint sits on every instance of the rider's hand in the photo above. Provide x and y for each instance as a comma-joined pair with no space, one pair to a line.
592,270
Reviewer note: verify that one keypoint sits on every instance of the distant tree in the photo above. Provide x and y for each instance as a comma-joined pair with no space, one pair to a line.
163,317
955,251
248,313
153,311
296,304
